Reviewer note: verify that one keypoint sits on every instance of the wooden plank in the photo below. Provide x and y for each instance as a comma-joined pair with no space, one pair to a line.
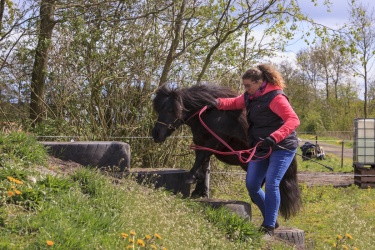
370,179
364,185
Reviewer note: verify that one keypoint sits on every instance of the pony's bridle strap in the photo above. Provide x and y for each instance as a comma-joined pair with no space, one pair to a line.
169,126
172,126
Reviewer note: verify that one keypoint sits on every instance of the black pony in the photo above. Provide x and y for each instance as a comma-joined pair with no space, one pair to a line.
176,107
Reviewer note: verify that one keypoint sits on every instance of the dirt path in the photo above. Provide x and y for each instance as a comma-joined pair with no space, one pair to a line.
332,149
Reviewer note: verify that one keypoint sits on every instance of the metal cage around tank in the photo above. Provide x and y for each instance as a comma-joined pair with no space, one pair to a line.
364,152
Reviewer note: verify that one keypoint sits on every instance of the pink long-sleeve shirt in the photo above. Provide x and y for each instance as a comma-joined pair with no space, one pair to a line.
279,105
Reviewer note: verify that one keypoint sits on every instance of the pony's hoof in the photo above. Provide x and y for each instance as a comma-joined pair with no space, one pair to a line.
198,195
191,180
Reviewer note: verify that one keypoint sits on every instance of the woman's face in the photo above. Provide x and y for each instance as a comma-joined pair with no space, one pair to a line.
251,86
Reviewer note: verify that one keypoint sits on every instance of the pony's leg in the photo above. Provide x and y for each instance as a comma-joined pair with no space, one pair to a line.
201,188
201,158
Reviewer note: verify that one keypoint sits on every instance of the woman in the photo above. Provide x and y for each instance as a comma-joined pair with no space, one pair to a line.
273,121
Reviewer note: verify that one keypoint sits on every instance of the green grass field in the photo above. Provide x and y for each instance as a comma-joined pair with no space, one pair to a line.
89,210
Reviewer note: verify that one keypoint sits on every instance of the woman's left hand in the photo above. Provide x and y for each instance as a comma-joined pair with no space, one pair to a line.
268,142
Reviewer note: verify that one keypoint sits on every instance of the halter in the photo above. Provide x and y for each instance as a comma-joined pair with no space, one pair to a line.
170,126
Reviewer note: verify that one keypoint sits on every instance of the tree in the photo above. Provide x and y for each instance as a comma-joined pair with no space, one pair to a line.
362,44
206,28
39,73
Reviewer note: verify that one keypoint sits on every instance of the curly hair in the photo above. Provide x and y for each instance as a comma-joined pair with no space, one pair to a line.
265,72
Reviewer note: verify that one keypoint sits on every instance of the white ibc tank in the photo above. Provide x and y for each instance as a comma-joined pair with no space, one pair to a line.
364,141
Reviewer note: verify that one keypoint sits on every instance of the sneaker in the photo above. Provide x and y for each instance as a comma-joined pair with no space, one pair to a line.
267,230
276,225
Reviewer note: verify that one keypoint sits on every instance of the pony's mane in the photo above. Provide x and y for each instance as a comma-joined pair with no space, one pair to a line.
188,98
197,96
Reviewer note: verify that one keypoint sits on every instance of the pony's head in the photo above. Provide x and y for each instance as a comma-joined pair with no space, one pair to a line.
168,105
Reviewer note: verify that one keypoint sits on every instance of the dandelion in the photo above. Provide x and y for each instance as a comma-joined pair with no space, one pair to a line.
164,248
349,236
131,241
132,232
154,247
18,182
10,178
18,192
339,237
124,235
147,237
158,236
130,247
12,187
50,243
354,248
10,193
345,247
334,245
140,242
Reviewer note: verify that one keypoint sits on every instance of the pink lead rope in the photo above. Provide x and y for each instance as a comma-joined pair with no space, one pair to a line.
250,151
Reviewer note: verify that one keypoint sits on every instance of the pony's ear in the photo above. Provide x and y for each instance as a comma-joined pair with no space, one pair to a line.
167,88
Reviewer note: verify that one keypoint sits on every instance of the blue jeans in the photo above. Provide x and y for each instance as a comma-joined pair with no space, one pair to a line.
273,169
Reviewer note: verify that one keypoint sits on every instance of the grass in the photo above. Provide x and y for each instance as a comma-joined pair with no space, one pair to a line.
327,213
332,161
332,218
88,210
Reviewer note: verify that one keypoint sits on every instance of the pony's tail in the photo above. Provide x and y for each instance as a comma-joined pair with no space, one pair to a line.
290,193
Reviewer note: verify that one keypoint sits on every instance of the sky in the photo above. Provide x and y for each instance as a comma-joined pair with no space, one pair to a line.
338,15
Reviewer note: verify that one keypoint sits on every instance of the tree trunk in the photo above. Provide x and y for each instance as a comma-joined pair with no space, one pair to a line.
2,8
39,73
174,44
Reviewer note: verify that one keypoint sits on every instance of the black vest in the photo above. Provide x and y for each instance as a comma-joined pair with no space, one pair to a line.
262,121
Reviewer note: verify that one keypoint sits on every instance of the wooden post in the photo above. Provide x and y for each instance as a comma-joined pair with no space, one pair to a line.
207,180
342,154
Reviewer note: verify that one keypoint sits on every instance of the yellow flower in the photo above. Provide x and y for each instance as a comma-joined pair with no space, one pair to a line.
131,240
124,235
140,242
354,248
153,247
10,178
349,236
50,243
18,182
130,247
345,247
10,193
334,245
339,237
12,187
18,192
132,232
147,237
164,248
158,236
